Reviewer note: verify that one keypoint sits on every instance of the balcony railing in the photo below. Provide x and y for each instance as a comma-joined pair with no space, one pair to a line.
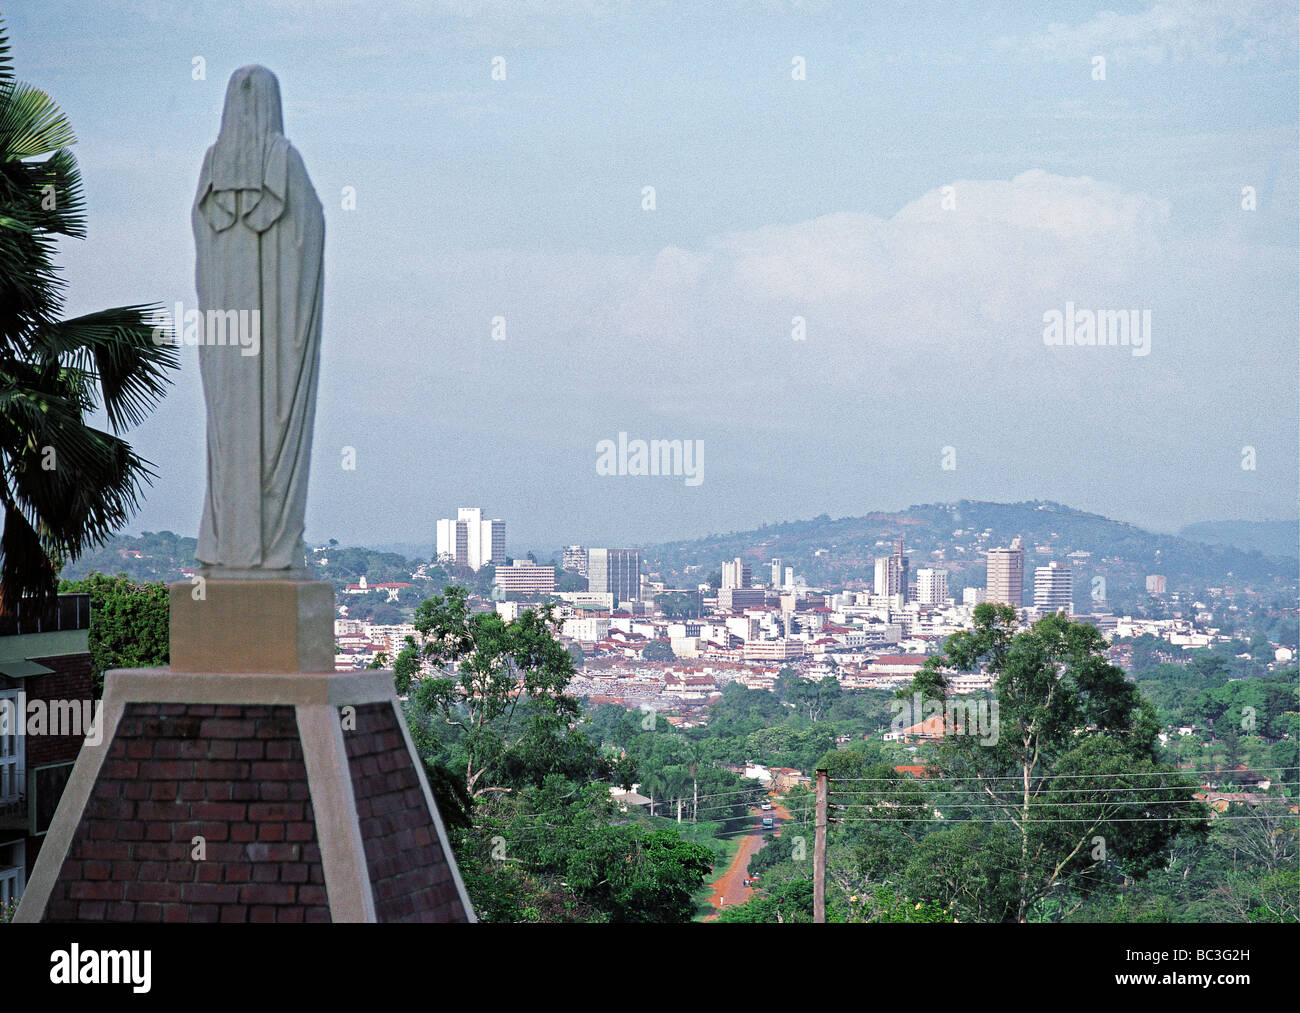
66,612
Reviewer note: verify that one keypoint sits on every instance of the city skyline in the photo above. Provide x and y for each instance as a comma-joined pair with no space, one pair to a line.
869,420
1006,182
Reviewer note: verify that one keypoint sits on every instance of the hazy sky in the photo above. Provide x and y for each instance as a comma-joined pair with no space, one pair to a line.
775,198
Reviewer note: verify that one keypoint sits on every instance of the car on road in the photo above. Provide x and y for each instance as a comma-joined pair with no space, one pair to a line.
766,805
767,822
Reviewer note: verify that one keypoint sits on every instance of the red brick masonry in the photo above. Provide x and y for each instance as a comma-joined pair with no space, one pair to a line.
409,873
69,680
232,774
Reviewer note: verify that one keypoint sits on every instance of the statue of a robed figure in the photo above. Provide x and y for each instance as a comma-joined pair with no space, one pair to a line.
250,699
259,235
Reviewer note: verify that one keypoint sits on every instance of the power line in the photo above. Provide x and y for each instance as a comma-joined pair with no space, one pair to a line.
540,818
936,791
1143,819
1051,805
906,779
615,801
669,805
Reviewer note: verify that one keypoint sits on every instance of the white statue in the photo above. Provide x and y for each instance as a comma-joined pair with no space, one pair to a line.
259,236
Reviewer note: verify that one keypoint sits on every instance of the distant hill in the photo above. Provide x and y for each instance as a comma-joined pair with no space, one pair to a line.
409,550
1272,538
150,556
842,551
957,535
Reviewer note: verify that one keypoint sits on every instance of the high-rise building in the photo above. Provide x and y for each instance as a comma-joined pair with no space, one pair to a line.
470,540
1054,588
524,577
736,574
892,573
575,559
1155,583
789,578
776,573
453,542
735,599
931,586
1006,575
614,571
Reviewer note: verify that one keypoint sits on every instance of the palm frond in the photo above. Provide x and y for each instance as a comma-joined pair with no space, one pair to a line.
31,123
25,563
6,61
76,485
119,346
64,485
61,208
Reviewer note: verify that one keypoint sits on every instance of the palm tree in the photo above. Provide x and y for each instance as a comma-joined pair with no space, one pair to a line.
65,486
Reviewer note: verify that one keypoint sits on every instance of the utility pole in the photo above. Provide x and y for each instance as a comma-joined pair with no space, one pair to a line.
819,851
695,792
679,812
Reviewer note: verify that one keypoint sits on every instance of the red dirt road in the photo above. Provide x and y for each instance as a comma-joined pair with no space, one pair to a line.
729,889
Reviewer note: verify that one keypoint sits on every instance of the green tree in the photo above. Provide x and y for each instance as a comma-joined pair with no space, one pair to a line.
557,839
815,698
566,580
1074,741
658,650
788,901
129,623
490,667
406,666
679,604
65,485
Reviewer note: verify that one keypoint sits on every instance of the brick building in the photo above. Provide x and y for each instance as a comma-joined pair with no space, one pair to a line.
45,699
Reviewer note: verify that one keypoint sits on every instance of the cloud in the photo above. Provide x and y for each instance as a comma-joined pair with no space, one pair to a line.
1207,31
978,270
705,329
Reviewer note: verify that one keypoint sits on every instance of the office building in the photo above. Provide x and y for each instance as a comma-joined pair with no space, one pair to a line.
1155,583
736,574
574,560
931,586
737,599
470,540
614,571
776,573
773,650
587,630
892,573
523,577
1006,575
1054,588
586,601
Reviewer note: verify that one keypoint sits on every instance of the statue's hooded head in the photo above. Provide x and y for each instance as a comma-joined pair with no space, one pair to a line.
251,130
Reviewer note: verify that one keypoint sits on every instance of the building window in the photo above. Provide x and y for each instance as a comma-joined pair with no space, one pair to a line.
13,774
13,860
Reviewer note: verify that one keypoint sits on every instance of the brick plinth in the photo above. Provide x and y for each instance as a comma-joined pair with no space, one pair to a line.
409,874
237,797
231,776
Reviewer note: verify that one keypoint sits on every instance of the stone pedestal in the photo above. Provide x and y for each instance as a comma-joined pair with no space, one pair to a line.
223,625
